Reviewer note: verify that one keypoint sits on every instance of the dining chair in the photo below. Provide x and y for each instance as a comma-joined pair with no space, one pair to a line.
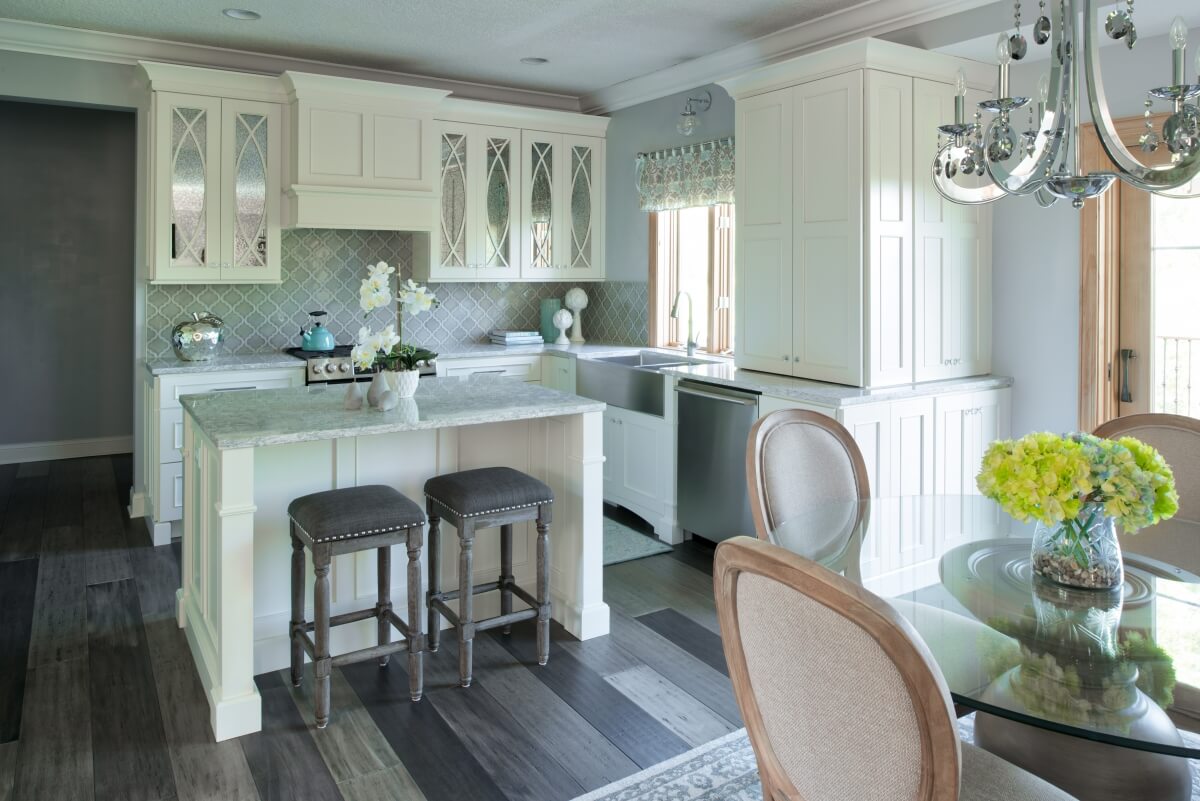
849,705
1177,438
796,460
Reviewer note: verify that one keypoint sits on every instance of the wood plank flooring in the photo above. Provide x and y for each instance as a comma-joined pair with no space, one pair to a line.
99,699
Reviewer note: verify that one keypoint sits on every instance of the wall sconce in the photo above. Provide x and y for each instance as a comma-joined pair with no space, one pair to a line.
688,121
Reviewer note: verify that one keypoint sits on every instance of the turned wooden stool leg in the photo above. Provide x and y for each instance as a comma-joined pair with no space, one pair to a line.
543,584
322,664
416,641
466,602
506,571
435,579
384,565
297,608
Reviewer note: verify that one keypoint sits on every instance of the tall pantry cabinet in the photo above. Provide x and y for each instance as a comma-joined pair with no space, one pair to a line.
850,268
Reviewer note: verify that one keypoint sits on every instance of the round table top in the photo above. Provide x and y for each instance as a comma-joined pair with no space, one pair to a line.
1121,667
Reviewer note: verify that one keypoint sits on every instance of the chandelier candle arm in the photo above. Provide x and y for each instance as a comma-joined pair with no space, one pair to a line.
1179,39
960,97
1161,179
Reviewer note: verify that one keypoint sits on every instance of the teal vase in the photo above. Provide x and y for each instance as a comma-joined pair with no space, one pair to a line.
549,307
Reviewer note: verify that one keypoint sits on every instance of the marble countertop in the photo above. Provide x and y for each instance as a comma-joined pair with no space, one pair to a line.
824,394
304,414
240,361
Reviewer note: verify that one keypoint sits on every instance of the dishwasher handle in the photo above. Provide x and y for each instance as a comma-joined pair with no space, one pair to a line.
717,397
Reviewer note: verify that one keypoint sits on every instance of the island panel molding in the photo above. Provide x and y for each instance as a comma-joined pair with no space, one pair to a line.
247,455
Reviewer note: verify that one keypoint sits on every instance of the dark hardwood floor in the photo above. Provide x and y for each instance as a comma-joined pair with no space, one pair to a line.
99,699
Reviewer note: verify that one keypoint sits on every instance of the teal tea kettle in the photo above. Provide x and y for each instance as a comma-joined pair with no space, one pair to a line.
317,337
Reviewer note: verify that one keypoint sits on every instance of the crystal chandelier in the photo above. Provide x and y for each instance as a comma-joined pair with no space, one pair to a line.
982,160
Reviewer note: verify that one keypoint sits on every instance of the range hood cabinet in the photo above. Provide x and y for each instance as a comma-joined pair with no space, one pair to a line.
363,154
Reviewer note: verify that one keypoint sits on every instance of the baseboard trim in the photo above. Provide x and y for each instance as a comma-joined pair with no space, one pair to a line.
64,449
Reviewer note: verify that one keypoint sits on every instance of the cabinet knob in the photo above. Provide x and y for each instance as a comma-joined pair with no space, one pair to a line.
785,357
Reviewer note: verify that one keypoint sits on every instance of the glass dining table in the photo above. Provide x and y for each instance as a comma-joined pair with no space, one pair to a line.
1097,691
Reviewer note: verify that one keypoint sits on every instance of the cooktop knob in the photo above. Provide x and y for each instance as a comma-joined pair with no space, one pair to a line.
343,367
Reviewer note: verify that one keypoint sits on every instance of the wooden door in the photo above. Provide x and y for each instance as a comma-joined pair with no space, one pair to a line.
763,260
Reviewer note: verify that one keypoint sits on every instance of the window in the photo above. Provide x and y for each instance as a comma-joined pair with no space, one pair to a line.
691,251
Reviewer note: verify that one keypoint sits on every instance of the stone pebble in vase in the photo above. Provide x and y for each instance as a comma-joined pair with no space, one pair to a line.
378,387
577,300
562,321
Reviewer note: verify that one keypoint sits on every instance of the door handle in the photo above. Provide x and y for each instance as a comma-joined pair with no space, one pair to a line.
1126,355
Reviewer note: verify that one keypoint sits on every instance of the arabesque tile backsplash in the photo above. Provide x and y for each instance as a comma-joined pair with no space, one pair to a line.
322,269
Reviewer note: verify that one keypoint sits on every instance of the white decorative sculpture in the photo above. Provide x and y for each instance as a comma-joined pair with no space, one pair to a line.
562,321
353,400
576,301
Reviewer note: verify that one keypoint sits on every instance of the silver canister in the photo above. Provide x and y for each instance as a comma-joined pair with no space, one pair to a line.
198,339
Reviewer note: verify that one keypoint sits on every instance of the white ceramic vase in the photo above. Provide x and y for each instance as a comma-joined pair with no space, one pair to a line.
378,386
404,382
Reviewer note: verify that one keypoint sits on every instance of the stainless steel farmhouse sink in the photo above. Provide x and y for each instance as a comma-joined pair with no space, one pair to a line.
631,381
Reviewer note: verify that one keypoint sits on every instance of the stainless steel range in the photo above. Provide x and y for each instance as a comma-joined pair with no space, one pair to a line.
335,366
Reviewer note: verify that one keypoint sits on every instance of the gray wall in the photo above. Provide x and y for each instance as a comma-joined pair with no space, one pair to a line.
67,270
1035,270
638,129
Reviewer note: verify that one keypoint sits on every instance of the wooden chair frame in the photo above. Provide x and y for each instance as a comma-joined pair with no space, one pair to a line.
1120,426
941,761
760,503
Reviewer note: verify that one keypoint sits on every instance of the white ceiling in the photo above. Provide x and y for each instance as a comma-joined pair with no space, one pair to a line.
591,44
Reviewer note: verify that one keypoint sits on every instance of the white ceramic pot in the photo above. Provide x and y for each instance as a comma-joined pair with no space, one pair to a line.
404,382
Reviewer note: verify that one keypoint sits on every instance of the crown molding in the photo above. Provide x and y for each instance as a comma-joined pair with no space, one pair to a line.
867,19
115,48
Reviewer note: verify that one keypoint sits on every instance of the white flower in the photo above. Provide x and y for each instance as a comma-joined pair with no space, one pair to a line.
363,357
380,269
416,297
364,334
388,339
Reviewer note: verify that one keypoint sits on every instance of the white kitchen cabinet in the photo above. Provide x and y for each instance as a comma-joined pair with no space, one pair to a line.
639,467
763,259
827,247
870,425
216,187
965,424
952,303
478,227
526,368
562,206
847,270
558,372
164,431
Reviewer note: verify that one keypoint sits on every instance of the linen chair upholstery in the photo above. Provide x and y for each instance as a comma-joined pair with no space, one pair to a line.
1177,438
849,706
796,459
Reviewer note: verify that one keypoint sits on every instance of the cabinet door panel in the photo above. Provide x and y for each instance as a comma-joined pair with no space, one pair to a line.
952,256
763,262
827,147
889,228
642,454
453,251
187,181
584,158
251,179
498,200
540,205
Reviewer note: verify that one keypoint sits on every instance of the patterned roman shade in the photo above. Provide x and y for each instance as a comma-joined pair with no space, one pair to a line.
681,177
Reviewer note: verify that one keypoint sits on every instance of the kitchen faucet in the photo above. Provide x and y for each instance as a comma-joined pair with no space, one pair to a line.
691,340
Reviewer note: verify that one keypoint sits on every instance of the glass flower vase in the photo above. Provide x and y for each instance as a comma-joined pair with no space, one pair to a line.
1083,552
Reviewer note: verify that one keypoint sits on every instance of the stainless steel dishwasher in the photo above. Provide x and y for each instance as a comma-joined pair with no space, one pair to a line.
714,426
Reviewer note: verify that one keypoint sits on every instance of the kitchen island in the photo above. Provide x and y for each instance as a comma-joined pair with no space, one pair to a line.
246,455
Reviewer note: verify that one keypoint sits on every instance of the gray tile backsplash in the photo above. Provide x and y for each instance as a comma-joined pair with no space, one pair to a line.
322,269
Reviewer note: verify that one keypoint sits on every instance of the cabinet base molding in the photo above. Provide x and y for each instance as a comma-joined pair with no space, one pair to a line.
64,449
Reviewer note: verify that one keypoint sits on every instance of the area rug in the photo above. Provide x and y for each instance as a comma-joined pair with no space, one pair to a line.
724,770
623,544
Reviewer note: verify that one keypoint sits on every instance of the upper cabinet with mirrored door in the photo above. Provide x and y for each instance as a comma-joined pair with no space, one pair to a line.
215,182
562,201
478,237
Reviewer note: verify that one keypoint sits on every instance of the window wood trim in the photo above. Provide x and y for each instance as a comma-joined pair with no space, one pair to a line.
664,284
1111,227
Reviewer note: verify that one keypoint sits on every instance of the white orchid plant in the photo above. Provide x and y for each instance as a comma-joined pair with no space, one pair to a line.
385,348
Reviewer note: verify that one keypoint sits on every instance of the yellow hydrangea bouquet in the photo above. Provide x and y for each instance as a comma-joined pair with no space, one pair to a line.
1078,487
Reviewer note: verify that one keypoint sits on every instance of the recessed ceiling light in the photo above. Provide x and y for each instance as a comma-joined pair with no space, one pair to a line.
241,13
534,60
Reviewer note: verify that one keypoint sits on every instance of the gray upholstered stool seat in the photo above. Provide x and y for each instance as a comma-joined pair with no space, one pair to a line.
344,521
485,491
353,512
485,498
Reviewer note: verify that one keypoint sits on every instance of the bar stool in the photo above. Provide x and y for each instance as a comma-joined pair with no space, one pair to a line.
342,521
485,498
